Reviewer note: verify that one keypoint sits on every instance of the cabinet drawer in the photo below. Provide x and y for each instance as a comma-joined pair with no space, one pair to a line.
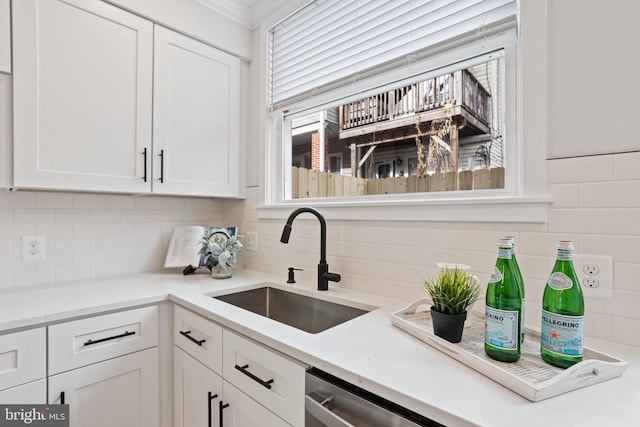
34,393
86,341
273,379
199,337
22,357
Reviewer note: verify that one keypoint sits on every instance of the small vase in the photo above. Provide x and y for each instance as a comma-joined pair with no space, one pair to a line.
448,326
220,272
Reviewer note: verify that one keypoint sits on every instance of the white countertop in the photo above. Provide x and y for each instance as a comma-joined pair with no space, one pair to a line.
367,351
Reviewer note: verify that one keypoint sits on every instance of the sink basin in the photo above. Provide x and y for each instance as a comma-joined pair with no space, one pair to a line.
300,311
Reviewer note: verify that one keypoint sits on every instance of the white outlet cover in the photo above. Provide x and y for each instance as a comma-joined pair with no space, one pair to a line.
252,241
34,248
604,275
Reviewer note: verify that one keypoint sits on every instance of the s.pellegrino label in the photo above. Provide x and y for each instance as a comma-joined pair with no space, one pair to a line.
562,320
501,328
562,335
503,312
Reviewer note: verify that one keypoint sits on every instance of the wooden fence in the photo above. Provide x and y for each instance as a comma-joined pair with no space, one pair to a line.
307,183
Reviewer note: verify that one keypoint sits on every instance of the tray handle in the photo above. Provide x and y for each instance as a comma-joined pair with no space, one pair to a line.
413,307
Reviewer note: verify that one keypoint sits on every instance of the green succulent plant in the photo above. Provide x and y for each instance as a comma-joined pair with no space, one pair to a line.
452,291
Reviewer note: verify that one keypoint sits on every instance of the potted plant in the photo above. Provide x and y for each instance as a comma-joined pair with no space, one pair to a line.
451,292
220,253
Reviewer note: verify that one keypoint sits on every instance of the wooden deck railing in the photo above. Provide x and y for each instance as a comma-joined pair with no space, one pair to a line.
307,183
457,88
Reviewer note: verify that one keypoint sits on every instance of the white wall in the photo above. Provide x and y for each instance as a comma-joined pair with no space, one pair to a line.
596,201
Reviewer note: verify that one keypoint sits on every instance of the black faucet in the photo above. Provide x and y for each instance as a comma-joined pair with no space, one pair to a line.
324,276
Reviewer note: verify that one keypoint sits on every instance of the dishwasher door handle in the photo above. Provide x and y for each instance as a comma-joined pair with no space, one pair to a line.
323,414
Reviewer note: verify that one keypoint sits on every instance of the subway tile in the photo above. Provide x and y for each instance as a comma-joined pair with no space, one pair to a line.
6,215
119,202
16,231
6,280
105,216
89,229
626,276
626,304
625,330
587,221
627,222
625,166
89,201
33,277
564,195
134,216
621,248
598,326
17,199
76,272
106,269
580,169
54,230
70,244
54,200
89,257
148,203
33,216
72,216
6,247
619,194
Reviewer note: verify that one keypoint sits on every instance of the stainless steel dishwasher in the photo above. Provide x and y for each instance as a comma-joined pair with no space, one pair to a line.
332,402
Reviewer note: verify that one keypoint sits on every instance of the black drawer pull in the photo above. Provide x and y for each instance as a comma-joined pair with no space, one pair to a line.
161,166
192,339
144,153
62,397
115,337
222,406
210,415
243,369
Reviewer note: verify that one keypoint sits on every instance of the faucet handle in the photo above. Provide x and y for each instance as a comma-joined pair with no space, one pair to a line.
291,278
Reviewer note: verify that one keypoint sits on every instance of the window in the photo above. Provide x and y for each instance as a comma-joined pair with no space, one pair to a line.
435,105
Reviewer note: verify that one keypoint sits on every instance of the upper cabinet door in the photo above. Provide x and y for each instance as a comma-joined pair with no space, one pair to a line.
82,96
196,118
5,36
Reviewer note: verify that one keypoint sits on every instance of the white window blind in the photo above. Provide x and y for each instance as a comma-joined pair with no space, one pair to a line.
333,43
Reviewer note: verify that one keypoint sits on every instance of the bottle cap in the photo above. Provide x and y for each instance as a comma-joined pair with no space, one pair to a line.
504,243
565,245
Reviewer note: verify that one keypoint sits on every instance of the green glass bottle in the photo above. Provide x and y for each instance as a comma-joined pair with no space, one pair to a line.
520,281
503,311
562,330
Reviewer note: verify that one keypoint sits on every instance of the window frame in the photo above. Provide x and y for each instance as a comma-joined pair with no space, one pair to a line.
524,198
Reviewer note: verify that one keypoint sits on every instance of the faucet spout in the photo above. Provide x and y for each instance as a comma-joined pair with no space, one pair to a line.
324,276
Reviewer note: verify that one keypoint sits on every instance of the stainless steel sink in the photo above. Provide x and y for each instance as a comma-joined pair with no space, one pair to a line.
300,311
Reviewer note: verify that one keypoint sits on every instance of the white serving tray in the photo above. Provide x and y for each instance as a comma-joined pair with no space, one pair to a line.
530,376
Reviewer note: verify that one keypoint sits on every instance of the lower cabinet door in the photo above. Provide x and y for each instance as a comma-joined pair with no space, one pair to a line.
239,410
120,392
197,392
34,393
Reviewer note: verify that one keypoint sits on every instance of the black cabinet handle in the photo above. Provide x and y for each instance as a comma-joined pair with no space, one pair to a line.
243,369
115,337
144,153
62,397
221,407
161,166
187,335
211,397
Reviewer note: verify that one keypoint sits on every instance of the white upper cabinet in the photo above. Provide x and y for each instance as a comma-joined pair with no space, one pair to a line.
5,36
196,117
91,87
82,96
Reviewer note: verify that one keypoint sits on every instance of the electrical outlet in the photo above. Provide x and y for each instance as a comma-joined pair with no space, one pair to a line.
34,248
595,274
252,241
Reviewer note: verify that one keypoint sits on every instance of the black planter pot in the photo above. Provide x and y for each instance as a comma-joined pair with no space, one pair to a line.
448,326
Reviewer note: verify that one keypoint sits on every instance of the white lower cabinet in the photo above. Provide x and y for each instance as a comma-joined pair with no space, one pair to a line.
239,410
233,382
106,368
197,392
119,392
32,393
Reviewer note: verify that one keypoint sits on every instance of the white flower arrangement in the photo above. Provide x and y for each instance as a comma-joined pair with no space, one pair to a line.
220,249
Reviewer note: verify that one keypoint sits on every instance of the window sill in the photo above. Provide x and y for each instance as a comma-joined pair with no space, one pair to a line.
485,209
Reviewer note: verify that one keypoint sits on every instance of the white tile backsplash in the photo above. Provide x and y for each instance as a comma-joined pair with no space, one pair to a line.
596,203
